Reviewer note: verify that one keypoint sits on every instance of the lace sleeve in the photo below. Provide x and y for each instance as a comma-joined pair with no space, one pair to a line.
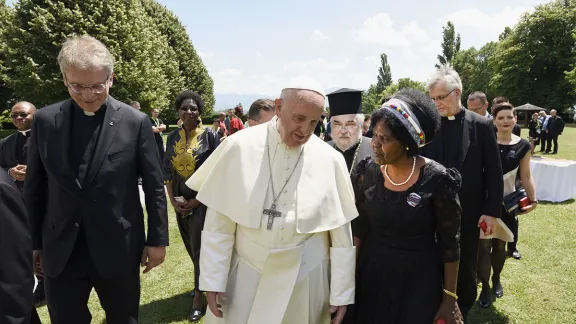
448,212
360,181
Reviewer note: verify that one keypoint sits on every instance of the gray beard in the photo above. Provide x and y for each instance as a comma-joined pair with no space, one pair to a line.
345,148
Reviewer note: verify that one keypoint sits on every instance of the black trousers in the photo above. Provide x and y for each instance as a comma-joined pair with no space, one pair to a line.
543,140
550,139
160,145
467,288
67,295
190,227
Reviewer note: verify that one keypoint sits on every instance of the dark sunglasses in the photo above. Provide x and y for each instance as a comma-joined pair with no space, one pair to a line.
21,115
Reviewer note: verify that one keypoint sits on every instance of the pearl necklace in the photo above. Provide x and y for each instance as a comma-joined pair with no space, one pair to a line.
405,182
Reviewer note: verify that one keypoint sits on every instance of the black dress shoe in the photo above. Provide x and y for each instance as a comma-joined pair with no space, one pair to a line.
498,290
516,255
485,299
196,313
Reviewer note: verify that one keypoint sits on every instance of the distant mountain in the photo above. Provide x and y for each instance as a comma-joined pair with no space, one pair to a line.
225,101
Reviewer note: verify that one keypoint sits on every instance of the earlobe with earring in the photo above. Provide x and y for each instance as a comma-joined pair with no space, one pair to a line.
407,148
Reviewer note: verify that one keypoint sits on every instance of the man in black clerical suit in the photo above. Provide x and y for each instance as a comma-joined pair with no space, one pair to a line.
346,120
13,158
13,148
466,141
16,280
554,128
84,158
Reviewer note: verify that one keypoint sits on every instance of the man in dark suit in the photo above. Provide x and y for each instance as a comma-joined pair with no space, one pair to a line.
13,158
84,158
554,129
16,280
13,147
466,141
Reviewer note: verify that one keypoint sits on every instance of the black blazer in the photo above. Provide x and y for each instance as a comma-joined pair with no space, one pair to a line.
8,151
108,203
16,279
555,125
8,155
480,166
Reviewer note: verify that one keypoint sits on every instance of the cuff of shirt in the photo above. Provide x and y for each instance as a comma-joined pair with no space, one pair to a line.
342,281
215,258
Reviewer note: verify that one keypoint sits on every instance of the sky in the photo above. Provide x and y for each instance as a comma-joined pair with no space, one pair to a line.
254,47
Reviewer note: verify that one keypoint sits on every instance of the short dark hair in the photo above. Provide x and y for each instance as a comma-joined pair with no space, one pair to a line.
499,100
422,107
478,95
503,106
189,94
257,106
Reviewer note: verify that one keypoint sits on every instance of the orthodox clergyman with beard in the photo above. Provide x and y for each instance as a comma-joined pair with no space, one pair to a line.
347,118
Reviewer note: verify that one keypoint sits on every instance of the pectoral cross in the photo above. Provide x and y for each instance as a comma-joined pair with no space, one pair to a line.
272,213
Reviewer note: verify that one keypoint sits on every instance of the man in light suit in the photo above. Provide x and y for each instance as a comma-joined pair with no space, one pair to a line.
85,155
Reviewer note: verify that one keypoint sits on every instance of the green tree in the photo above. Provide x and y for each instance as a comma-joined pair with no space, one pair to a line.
450,44
6,94
370,100
192,70
403,83
571,75
146,67
474,69
384,74
530,64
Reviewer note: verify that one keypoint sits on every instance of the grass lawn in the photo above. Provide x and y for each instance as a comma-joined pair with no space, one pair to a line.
540,288
566,144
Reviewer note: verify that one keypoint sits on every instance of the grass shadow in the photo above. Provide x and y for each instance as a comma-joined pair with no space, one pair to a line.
490,315
566,202
168,310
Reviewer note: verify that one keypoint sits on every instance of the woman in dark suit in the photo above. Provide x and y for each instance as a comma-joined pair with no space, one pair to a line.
534,131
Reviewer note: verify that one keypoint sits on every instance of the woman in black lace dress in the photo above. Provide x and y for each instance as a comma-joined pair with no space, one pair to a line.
409,220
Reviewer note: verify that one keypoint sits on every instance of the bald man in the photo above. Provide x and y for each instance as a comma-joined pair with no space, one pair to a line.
13,159
13,147
553,129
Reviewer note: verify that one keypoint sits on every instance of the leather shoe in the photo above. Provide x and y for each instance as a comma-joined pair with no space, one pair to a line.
498,290
516,255
196,314
485,299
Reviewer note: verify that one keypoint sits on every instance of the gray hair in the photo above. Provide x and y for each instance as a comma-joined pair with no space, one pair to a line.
359,119
85,52
478,95
447,74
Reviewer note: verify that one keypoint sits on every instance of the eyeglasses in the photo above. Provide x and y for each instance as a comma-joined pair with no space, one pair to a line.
21,115
95,88
442,97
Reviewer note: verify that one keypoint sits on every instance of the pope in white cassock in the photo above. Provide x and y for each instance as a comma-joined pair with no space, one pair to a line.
277,244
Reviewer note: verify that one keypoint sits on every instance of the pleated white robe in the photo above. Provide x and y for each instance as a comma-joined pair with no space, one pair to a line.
294,272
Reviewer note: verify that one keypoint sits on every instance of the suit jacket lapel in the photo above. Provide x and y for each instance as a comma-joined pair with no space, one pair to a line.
61,147
108,131
466,130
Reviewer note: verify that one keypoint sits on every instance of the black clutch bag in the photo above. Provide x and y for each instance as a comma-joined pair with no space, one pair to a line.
512,201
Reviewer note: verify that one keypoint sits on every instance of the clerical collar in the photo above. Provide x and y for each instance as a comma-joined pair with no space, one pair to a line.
458,116
99,112
26,133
